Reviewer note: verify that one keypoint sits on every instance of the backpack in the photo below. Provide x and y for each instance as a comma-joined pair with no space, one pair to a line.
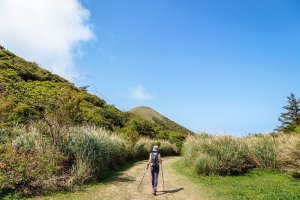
154,159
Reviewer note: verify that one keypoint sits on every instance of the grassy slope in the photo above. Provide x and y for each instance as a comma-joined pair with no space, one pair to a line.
256,184
156,118
27,90
147,113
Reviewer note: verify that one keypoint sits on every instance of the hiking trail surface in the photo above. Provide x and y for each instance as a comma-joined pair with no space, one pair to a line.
125,186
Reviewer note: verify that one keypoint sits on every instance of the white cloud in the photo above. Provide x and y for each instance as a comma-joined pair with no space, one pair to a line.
48,32
139,93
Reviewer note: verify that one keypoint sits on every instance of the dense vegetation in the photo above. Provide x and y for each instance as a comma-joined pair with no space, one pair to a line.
163,127
227,155
30,163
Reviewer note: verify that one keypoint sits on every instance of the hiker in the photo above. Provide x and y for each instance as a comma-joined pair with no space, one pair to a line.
154,161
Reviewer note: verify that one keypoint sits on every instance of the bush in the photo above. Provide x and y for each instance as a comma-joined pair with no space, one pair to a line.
28,171
216,155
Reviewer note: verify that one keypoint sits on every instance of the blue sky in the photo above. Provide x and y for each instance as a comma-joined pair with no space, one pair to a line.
216,66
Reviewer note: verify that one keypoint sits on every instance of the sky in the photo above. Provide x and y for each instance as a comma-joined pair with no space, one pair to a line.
220,66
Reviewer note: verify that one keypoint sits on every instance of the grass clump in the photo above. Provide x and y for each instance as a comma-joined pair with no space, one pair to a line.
263,151
216,155
288,154
94,151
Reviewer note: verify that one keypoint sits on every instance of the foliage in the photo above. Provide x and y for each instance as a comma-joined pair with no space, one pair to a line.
9,134
28,171
31,163
164,128
136,127
291,118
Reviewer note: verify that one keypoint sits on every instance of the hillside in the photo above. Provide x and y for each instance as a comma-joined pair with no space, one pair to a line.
166,128
31,94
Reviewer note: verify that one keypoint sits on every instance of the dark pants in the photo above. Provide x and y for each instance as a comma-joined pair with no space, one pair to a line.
154,173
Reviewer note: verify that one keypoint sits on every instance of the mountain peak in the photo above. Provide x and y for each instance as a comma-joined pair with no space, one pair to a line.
156,118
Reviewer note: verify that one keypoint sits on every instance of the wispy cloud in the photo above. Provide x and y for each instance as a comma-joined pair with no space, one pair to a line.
139,93
48,32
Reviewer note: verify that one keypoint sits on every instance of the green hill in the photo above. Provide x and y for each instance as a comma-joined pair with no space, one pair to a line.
31,94
147,113
165,128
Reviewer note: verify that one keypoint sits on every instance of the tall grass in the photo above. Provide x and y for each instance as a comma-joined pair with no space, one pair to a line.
288,154
263,150
227,155
31,163
211,155
144,145
94,151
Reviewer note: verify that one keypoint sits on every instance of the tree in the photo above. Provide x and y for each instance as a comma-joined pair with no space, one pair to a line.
291,118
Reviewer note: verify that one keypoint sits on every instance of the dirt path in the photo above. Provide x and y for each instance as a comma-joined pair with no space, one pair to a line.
125,186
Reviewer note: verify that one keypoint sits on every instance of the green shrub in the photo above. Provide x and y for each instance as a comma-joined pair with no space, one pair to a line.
28,171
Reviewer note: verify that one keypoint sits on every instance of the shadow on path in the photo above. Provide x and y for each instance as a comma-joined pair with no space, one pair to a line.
168,191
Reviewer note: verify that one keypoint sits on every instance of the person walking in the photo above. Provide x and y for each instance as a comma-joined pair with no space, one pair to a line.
154,162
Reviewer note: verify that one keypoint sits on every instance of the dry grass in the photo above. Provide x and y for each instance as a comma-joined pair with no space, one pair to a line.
226,155
216,155
144,145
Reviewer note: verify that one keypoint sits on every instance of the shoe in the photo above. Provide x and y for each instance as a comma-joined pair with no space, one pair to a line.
154,192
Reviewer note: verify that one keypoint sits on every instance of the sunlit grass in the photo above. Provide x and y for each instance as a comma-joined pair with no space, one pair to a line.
256,184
